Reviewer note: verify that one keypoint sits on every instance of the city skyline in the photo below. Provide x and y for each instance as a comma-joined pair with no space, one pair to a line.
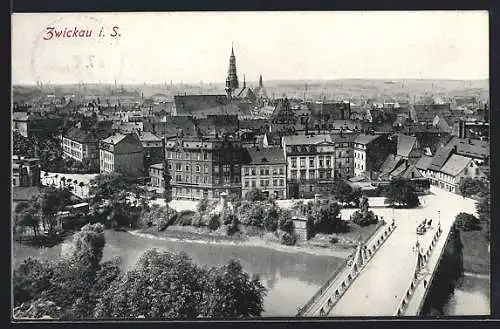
278,45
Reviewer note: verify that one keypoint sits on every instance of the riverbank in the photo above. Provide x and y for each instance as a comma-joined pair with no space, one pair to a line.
476,256
319,246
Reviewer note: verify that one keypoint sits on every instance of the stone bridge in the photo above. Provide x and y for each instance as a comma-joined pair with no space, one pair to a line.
391,273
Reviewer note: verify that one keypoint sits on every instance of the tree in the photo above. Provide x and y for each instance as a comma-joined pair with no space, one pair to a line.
271,216
255,194
310,227
232,294
401,192
326,214
82,184
167,285
341,190
466,222
26,216
470,186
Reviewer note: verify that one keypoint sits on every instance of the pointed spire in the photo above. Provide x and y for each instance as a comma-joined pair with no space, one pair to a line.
260,81
244,82
232,49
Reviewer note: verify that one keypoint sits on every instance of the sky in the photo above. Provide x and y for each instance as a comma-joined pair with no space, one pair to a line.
195,47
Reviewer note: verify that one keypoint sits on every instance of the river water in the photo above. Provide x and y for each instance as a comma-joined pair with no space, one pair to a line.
291,278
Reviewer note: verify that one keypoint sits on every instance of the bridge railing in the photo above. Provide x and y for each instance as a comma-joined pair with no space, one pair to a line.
351,270
405,299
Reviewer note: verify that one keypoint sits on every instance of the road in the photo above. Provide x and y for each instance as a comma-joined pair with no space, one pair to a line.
77,190
378,289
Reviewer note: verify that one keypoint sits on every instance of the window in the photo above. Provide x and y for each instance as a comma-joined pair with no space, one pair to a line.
282,170
205,156
227,168
187,167
253,171
246,171
205,179
236,179
275,171
188,178
169,166
266,171
197,179
282,182
321,162
216,169
294,162
178,178
311,162
178,167
178,155
262,182
198,156
253,183
206,169
186,155
246,183
197,168
262,171
328,162
321,175
302,162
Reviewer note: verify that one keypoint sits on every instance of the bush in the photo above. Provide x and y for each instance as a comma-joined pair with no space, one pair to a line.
213,222
334,240
364,219
185,217
288,239
271,218
467,222
255,195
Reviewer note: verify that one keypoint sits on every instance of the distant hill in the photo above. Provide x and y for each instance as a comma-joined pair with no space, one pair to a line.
354,89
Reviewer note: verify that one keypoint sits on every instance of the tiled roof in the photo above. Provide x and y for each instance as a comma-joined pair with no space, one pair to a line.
266,155
389,164
442,154
365,139
455,164
304,140
405,145
81,136
147,136
409,170
424,162
114,139
471,147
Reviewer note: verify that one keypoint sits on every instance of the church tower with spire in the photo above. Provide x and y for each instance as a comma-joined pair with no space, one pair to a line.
232,78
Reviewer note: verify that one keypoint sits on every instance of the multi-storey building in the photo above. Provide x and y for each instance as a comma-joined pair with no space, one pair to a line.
344,155
310,164
265,169
156,174
80,145
153,148
123,154
370,152
203,167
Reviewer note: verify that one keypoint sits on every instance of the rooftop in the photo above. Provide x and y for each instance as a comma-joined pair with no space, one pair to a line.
114,139
365,139
157,166
266,155
305,140
455,164
424,162
405,145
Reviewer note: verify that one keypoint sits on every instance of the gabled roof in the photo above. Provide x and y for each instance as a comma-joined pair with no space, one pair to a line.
471,147
147,136
389,164
424,162
81,136
365,139
157,166
455,164
441,156
405,145
408,173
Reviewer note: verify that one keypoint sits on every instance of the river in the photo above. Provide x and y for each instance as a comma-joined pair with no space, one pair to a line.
291,278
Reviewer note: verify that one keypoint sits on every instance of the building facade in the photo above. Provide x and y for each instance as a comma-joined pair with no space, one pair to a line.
122,154
370,152
310,165
204,167
455,169
265,169
80,145
156,175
